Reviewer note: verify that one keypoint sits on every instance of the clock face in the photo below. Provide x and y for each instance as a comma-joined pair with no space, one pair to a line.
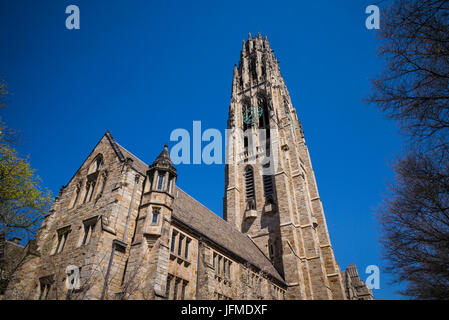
251,114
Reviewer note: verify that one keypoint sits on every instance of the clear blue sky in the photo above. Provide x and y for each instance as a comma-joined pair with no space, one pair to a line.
143,68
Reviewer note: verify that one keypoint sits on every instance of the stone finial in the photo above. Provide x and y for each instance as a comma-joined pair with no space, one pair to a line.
163,161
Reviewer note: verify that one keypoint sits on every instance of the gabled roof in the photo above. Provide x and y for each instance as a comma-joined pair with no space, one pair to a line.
124,154
196,216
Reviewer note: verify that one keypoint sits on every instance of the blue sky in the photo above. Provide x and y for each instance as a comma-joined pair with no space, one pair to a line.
142,69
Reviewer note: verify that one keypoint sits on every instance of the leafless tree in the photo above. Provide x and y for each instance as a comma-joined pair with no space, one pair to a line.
414,86
413,89
415,224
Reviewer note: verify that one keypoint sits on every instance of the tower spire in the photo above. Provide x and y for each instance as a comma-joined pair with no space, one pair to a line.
271,206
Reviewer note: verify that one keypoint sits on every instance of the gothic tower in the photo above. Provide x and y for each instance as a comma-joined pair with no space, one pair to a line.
270,189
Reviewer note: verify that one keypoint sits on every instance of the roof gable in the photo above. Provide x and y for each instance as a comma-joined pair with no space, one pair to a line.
195,215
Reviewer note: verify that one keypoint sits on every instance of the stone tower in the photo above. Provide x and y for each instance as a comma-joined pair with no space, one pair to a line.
270,189
149,253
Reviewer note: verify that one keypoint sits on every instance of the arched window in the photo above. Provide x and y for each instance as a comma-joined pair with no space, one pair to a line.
92,177
264,69
254,68
249,186
90,186
264,120
264,123
104,177
77,194
96,164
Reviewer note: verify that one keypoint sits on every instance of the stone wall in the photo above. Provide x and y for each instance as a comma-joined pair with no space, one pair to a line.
355,288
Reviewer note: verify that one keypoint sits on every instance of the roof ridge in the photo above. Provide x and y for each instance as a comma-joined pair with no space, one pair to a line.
114,145
131,153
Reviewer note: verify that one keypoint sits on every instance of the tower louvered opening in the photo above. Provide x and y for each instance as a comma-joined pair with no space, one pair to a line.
249,183
268,186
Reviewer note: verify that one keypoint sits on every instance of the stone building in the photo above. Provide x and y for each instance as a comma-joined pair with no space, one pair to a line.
130,232
12,257
355,288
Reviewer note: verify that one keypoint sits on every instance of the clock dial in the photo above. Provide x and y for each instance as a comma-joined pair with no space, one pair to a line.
251,114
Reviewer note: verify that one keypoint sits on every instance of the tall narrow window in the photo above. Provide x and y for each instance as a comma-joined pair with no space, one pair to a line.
181,238
224,268
175,290
88,230
170,179
173,240
168,285
245,113
91,191
268,186
155,219
264,122
45,289
183,290
77,194
271,251
249,184
254,69
219,265
213,260
63,233
104,177
86,195
45,286
160,183
186,252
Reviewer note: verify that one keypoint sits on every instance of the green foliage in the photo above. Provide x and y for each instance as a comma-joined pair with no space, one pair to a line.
3,92
23,203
